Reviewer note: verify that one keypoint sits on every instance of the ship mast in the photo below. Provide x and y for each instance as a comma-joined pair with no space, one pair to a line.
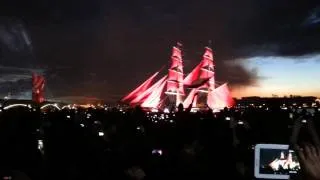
211,68
175,89
201,79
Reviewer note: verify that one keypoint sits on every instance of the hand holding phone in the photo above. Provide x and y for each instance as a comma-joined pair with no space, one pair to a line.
310,159
309,156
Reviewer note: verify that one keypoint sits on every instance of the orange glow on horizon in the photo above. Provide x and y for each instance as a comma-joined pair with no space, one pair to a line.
263,92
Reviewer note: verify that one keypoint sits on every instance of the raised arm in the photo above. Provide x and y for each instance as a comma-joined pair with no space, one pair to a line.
309,155
295,131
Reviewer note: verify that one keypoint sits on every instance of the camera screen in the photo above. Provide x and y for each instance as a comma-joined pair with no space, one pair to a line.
157,152
278,161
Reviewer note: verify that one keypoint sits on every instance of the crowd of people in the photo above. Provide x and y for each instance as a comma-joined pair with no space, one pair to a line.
134,144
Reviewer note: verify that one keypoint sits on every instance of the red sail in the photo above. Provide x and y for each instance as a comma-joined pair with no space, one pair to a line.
175,74
192,98
141,97
203,75
139,90
220,98
200,83
38,83
176,58
207,57
154,99
193,76
207,69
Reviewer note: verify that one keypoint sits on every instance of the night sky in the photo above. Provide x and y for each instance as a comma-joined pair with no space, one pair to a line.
106,48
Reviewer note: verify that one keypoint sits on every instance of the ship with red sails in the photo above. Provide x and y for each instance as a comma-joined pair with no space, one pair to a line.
197,90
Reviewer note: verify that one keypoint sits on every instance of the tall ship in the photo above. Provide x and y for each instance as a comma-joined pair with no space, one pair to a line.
197,90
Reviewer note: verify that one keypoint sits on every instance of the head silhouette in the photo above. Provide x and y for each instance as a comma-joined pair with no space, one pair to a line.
180,107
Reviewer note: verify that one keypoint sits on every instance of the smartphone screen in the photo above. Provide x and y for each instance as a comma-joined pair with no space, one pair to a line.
273,161
157,152
278,161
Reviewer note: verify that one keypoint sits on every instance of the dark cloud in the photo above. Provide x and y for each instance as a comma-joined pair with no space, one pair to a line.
15,87
122,42
16,81
313,19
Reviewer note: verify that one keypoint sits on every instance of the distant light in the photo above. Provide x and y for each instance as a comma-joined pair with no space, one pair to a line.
154,110
68,116
304,121
156,121
14,105
138,128
88,115
240,122
40,145
193,110
171,121
67,106
101,133
228,118
82,125
166,110
53,105
291,115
